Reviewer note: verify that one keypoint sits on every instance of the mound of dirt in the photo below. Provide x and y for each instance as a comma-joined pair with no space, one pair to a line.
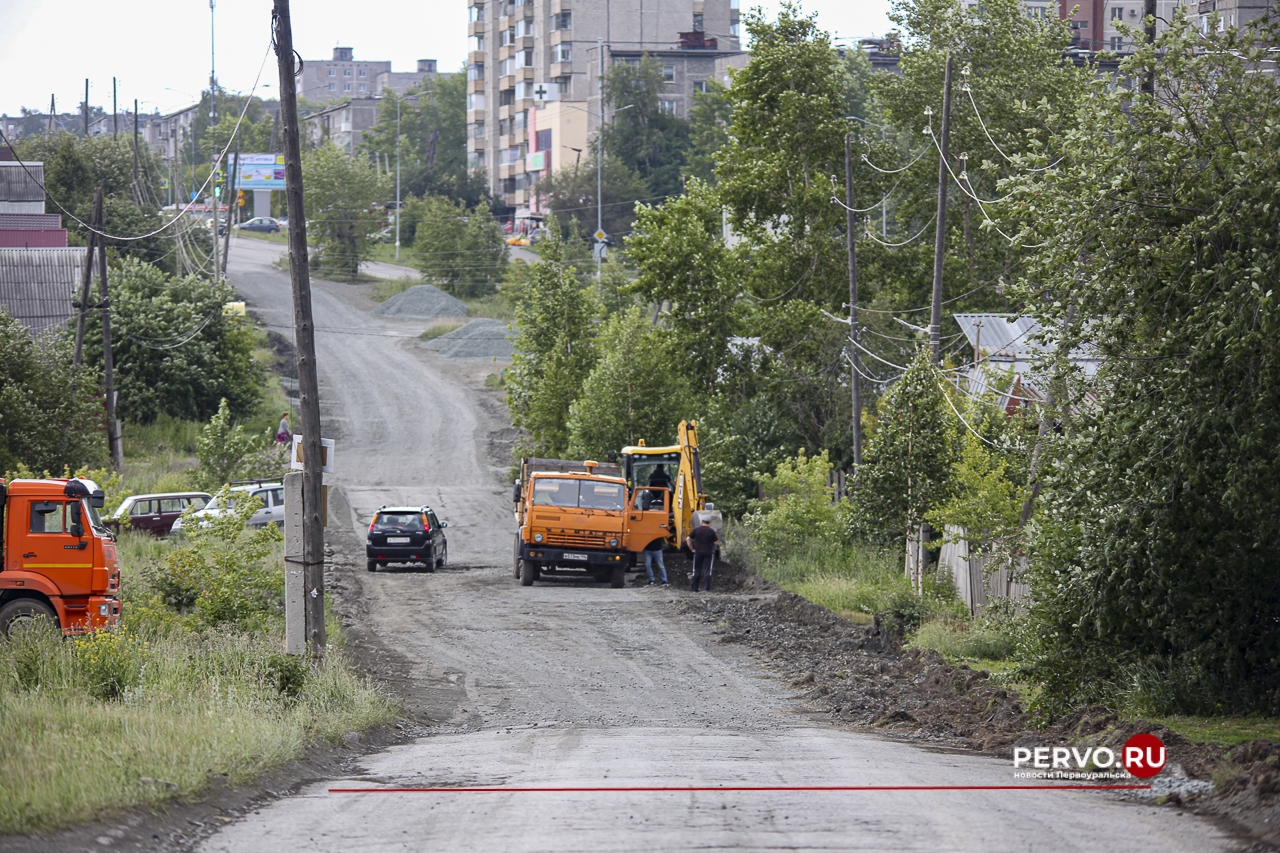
422,302
478,339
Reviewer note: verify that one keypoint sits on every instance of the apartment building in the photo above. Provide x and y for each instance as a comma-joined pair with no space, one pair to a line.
533,75
344,77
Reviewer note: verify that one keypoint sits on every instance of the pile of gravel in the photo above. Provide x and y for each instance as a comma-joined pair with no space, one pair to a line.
477,339
422,302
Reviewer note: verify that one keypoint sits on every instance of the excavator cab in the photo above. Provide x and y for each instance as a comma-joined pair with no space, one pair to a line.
682,466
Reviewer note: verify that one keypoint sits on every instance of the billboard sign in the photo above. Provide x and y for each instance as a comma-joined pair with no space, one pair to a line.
261,172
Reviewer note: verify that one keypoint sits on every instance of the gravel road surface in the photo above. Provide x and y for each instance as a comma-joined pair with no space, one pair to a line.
578,685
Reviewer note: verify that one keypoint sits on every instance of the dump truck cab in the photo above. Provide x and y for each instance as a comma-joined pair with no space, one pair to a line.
57,558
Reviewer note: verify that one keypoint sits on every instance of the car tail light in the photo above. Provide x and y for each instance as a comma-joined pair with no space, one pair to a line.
426,525
373,523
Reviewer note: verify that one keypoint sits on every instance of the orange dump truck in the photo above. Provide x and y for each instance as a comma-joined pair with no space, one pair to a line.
57,559
581,518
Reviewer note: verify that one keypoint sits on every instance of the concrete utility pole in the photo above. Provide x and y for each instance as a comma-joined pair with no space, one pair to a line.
213,78
115,111
851,223
940,232
53,109
398,100
86,279
599,161
217,263
233,181
86,108
137,188
304,338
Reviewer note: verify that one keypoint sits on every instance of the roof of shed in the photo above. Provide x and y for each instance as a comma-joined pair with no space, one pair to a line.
21,181
37,285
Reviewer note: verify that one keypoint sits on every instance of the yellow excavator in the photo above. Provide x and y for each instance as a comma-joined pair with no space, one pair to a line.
649,466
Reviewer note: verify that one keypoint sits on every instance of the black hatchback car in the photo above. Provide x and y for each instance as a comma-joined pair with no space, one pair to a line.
400,534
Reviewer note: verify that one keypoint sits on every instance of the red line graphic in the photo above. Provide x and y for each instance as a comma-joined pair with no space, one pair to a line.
676,789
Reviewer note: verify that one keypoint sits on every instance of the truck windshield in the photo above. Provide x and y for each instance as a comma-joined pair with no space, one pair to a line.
95,520
584,494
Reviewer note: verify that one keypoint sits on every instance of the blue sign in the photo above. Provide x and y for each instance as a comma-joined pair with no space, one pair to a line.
193,196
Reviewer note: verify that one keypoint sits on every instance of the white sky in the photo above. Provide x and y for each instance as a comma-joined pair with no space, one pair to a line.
159,49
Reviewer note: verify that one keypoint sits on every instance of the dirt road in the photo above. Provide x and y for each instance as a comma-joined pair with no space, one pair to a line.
579,685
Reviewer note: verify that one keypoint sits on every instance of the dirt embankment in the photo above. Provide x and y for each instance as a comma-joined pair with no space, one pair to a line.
861,676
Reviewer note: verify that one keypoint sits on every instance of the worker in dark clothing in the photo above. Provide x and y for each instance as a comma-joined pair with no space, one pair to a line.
702,542
659,479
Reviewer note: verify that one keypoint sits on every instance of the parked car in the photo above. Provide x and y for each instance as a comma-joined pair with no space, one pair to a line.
260,223
271,493
407,534
155,514
222,225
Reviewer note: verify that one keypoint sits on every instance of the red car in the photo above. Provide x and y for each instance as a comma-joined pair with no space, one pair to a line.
155,514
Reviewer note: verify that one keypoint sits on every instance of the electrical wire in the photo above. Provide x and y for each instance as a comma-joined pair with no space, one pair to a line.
906,242
915,160
961,417
967,89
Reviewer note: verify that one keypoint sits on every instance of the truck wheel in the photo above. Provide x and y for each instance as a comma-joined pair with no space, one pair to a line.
619,577
25,613
515,559
373,565
528,572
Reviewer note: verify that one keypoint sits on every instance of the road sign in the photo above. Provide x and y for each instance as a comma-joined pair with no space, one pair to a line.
326,454
164,183
240,198
600,235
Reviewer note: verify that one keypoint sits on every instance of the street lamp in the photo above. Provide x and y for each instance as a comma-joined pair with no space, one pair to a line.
884,203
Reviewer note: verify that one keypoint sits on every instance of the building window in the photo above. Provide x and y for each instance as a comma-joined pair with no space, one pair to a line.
505,66
477,130
504,127
626,61
332,72
346,72
700,86
475,160
697,22
508,186
363,73
475,101
1036,11
508,37
506,97
544,140
526,58
668,107
333,87
1117,13
520,120
476,14
524,27
1117,42
733,29
475,71
562,53
346,87
669,73
362,87
476,44
562,21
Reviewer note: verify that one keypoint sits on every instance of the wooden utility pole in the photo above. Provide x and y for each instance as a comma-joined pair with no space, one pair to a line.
108,365
940,232
86,108
233,170
217,263
53,109
1149,33
86,279
851,221
304,336
115,111
137,188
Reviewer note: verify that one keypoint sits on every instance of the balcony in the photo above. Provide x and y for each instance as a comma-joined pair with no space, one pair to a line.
525,73
507,81
477,56
561,6
475,116
475,145
561,69
476,28
474,86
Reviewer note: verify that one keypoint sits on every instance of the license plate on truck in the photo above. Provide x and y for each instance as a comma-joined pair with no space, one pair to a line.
398,540
574,557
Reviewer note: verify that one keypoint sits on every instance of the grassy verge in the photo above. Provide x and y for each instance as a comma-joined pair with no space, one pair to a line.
442,328
1224,731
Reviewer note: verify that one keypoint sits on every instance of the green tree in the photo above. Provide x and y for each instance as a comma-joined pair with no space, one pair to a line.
463,251
709,120
222,449
1158,530
799,509
50,413
174,351
571,195
614,288
683,261
634,392
341,194
554,349
641,135
909,456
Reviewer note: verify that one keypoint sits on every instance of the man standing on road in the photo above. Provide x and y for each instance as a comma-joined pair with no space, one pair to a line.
702,542
653,554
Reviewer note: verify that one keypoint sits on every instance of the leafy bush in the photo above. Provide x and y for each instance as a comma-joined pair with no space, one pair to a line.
461,251
226,452
341,193
798,510
109,662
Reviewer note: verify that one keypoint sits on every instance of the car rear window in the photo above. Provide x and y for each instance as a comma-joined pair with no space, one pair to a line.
398,521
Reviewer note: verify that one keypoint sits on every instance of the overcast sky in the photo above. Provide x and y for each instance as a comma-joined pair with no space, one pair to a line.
159,49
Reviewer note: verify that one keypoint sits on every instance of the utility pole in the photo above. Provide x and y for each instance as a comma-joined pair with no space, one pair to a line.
53,109
304,338
850,223
86,108
86,279
108,367
398,100
217,264
137,189
233,172
940,233
213,78
1149,33
115,111
600,160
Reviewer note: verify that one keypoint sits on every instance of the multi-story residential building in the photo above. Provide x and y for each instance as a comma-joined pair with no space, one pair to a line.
342,124
533,75
343,77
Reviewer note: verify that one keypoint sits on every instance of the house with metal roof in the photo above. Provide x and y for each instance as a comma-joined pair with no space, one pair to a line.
38,285
1004,346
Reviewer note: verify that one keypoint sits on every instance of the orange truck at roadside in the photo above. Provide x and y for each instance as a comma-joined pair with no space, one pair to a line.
57,559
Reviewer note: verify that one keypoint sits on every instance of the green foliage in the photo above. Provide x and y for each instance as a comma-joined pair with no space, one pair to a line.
798,509
227,452
1158,530
570,193
341,192
644,138
973,640
175,352
433,141
554,348
709,120
614,287
682,260
463,251
634,391
109,662
50,416
908,459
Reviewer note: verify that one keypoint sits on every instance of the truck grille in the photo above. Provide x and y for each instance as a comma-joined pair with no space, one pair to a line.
577,540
